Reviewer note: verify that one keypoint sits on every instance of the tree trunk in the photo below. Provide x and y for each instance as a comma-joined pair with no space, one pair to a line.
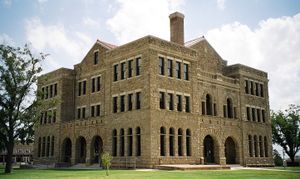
9,148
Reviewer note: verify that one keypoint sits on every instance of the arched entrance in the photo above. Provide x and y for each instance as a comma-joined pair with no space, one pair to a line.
208,150
81,150
67,150
96,149
230,151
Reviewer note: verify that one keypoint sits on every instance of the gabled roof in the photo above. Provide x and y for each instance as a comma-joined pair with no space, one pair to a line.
194,41
105,44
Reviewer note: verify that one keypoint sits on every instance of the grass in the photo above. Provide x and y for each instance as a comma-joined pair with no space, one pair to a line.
131,174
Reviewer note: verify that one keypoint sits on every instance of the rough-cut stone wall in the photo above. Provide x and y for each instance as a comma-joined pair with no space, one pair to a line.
208,74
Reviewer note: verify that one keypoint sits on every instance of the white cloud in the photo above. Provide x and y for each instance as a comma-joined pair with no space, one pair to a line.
42,1
7,40
221,4
64,46
272,47
89,22
7,3
137,18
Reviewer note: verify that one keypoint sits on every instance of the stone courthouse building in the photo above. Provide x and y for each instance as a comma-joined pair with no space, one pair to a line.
151,102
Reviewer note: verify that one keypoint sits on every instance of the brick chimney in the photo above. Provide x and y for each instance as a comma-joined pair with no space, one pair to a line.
177,28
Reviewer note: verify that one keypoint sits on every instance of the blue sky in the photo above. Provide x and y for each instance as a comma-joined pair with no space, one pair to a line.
263,34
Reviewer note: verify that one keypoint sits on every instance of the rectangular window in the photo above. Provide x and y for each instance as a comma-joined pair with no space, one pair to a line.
51,91
248,114
185,71
252,87
256,89
45,117
178,70
130,69
55,89
47,92
122,103
42,118
96,57
138,66
43,93
263,115
187,104
138,100
123,70
79,89
93,85
116,72
83,113
246,86
171,103
253,114
129,102
261,90
162,100
258,115
92,111
78,113
54,116
179,103
161,66
84,88
115,104
170,68
98,110
98,83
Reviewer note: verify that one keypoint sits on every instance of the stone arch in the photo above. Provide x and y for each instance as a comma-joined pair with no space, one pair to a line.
66,150
80,150
231,151
210,150
96,149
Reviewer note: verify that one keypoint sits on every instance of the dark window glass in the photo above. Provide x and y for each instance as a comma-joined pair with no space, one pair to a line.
52,146
138,142
51,91
161,66
187,104
98,83
138,66
208,105
123,70
39,147
229,108
188,142
116,72
185,71
83,113
122,143
252,87
170,68
263,115
250,146
171,142
248,114
129,102
179,103
55,89
255,146
138,100
47,92
256,89
162,141
93,111
44,147
79,89
43,93
48,147
115,104
129,142
246,86
266,147
171,101
253,114
179,142
161,100
178,70
122,103
114,143
78,113
98,110
93,85
258,115
54,116
261,90
96,57
130,69
84,88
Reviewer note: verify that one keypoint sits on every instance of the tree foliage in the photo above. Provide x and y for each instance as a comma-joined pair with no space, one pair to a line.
278,161
106,161
19,68
286,130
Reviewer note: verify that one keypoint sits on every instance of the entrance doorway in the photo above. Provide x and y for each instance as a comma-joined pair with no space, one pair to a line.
67,150
230,151
96,149
81,150
208,150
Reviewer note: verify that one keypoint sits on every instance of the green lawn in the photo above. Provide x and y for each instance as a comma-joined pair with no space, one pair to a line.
124,174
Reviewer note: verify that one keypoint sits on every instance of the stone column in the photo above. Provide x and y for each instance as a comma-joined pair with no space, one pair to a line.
201,154
133,142
183,144
222,158
74,152
175,143
88,160
167,143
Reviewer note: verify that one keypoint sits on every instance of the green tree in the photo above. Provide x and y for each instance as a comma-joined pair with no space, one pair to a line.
18,103
277,158
286,130
106,161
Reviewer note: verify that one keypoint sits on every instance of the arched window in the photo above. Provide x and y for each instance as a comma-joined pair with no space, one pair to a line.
114,143
39,147
261,151
44,147
162,141
188,142
255,146
208,105
171,141
266,146
138,142
180,153
250,146
52,146
122,142
229,108
48,146
129,142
